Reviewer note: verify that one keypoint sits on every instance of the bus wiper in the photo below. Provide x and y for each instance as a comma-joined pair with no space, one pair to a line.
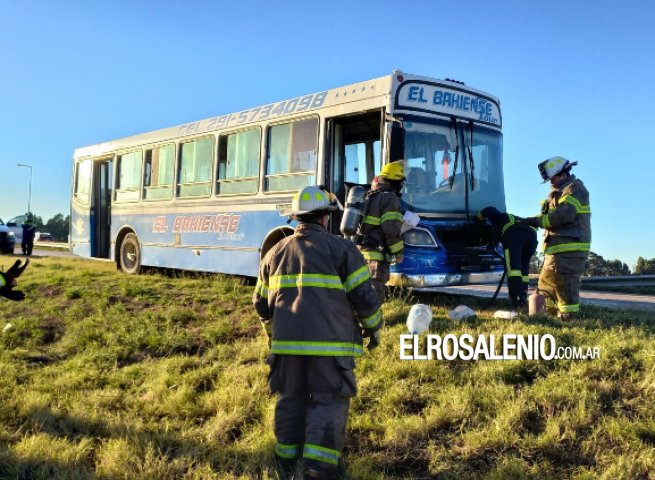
451,180
470,152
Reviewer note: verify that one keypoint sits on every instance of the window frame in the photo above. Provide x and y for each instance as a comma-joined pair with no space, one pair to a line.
173,185
265,176
258,178
178,168
118,157
76,195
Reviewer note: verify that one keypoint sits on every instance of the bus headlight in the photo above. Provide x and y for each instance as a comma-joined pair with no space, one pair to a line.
419,237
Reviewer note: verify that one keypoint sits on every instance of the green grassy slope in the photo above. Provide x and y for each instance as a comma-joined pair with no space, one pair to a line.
109,376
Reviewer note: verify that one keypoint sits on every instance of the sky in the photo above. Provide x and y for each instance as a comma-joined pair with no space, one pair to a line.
573,78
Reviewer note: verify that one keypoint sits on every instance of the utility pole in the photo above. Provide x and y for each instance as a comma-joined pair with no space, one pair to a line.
29,198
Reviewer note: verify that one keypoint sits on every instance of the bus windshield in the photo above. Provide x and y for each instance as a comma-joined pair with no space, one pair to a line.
451,167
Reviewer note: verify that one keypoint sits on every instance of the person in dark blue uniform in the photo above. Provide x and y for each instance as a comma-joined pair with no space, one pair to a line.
519,244
29,231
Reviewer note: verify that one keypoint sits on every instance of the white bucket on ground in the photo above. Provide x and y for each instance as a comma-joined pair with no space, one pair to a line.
419,318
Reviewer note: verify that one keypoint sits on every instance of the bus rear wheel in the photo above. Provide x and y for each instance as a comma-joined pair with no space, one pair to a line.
130,254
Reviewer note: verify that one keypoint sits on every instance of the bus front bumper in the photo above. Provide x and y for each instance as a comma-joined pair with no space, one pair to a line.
426,283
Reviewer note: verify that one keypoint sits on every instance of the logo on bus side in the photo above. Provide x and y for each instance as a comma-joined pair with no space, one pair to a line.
222,224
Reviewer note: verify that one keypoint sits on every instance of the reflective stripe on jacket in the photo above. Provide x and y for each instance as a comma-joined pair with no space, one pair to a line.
568,220
501,222
309,285
382,223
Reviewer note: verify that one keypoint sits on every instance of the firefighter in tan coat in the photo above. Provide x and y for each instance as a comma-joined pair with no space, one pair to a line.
315,299
566,218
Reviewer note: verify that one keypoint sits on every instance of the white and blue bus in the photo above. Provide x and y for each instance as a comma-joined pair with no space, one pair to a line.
211,195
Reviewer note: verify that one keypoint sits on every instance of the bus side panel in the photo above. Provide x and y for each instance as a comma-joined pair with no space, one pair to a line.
223,242
216,261
81,231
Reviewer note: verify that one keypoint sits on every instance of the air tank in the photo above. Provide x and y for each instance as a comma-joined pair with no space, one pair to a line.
354,211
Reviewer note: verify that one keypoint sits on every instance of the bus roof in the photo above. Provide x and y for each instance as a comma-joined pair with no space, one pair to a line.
377,91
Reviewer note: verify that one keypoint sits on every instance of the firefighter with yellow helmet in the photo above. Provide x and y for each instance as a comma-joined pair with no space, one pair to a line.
381,242
315,300
566,218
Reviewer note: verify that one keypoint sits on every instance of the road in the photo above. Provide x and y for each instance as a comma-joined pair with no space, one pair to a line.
603,299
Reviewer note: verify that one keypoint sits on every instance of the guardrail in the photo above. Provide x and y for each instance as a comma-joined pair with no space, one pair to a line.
619,281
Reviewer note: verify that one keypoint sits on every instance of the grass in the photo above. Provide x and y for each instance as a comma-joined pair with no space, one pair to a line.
108,376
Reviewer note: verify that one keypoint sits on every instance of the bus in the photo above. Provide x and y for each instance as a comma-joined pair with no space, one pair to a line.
212,195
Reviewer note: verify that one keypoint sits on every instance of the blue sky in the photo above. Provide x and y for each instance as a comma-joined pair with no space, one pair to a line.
573,77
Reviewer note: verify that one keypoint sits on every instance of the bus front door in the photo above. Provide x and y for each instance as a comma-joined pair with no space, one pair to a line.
101,209
354,156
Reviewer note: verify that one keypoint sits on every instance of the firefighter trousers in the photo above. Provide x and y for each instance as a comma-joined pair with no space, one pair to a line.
379,277
519,245
312,408
560,278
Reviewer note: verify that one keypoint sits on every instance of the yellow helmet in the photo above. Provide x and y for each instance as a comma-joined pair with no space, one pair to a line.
394,170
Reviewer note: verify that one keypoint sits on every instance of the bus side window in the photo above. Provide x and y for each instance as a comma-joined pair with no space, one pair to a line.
128,181
83,181
195,171
291,156
158,173
238,162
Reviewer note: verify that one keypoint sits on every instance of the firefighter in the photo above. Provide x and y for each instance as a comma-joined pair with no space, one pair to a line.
29,231
566,218
519,244
381,242
8,281
316,302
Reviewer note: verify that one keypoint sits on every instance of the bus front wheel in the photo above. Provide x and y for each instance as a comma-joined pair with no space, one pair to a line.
130,254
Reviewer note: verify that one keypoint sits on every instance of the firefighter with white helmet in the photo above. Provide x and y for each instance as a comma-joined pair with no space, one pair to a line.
381,242
566,218
315,300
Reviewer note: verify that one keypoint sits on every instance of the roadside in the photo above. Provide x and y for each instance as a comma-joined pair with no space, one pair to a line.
603,299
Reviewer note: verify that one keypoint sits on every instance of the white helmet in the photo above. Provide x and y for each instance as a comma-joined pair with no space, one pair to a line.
312,199
554,165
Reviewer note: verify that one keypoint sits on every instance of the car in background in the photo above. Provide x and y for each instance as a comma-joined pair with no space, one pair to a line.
43,237
7,238
16,225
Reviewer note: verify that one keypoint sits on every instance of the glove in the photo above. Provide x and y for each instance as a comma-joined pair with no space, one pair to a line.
16,269
399,258
9,279
531,221
268,329
374,340
544,207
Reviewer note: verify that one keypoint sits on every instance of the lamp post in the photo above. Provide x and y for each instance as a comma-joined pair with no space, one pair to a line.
29,198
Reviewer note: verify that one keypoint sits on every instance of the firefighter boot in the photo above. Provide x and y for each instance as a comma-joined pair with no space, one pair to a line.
286,467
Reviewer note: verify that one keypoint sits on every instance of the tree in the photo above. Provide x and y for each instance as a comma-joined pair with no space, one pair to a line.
645,267
58,226
597,266
536,261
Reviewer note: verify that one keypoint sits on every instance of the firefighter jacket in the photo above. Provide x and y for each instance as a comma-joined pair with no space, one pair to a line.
314,295
501,222
566,216
382,223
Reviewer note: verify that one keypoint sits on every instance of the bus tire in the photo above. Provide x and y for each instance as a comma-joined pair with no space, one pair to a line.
130,254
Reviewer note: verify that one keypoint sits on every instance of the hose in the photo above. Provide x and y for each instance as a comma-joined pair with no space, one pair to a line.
500,283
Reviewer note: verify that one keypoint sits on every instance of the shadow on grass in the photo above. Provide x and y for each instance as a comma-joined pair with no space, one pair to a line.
168,446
